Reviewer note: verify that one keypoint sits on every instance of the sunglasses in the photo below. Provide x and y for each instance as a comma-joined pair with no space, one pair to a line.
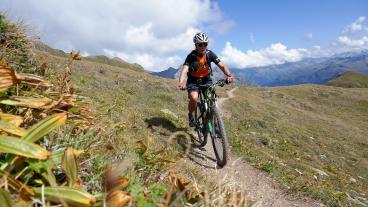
202,44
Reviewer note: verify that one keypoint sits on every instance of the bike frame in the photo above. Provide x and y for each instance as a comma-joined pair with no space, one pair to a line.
207,97
209,122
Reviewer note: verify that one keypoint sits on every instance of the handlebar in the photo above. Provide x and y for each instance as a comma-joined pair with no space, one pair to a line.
220,82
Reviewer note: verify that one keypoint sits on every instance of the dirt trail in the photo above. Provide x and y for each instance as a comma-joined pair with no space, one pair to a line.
237,175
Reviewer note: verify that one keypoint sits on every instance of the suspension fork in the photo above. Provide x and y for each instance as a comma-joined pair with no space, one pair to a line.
209,116
212,104
205,111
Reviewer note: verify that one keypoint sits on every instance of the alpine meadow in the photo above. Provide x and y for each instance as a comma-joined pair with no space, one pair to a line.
78,130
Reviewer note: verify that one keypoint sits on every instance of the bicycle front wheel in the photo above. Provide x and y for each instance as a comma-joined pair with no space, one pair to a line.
219,140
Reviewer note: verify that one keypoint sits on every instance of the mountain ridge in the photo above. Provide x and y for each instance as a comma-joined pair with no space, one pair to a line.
308,70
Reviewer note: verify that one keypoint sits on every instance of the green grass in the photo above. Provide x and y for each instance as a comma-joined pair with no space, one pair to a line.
127,110
15,46
281,130
128,113
350,80
284,130
117,62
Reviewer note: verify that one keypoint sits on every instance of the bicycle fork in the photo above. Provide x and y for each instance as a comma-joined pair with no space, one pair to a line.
210,124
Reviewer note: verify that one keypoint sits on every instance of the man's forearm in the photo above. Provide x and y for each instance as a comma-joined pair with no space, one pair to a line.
182,74
225,70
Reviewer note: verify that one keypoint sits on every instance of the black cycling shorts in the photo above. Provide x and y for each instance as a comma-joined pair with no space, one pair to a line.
193,84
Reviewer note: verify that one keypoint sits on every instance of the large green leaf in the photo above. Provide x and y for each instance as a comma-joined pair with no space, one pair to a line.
70,166
31,102
11,129
44,127
70,196
23,148
57,156
10,118
40,129
5,199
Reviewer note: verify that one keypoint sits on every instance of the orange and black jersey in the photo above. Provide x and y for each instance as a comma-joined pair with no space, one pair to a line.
200,64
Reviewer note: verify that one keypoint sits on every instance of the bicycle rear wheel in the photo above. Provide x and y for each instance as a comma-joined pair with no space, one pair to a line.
200,126
219,140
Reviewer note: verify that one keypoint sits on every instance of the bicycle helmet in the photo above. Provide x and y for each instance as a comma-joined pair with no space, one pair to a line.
200,37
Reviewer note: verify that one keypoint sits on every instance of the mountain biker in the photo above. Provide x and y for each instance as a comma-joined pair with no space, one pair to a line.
197,66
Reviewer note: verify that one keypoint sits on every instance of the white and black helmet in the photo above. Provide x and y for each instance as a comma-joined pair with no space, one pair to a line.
200,37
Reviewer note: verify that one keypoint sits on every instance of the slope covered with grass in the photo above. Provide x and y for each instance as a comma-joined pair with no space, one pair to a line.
311,138
109,142
350,80
129,107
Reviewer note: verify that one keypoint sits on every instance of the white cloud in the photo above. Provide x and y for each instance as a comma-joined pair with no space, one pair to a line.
347,41
356,26
147,60
317,47
275,54
145,29
353,37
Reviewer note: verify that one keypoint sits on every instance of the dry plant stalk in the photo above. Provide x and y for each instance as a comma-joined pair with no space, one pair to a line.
64,78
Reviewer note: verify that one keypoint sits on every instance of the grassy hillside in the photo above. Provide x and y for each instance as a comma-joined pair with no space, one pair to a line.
350,80
15,46
311,138
133,123
114,62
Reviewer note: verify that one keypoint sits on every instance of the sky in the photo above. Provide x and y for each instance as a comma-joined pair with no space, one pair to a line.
158,34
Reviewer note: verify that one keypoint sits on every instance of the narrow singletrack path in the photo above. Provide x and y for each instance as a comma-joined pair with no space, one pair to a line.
239,176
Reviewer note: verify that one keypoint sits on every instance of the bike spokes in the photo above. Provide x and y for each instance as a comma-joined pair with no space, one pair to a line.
219,140
200,127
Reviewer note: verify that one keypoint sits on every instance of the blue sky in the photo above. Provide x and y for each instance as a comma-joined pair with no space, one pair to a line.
158,33
287,21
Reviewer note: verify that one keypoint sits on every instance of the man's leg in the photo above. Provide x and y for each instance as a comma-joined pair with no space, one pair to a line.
193,97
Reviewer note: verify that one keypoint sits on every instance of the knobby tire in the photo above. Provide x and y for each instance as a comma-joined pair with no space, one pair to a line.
219,140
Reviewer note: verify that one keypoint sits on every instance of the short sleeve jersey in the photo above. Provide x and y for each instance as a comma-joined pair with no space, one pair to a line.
199,64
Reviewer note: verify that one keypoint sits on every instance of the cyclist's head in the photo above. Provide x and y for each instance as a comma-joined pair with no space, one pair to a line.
200,37
201,41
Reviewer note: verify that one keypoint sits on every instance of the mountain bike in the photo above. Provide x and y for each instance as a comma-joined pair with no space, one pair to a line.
208,121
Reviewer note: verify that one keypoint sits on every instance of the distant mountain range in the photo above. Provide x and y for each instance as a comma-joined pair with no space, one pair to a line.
170,73
309,70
